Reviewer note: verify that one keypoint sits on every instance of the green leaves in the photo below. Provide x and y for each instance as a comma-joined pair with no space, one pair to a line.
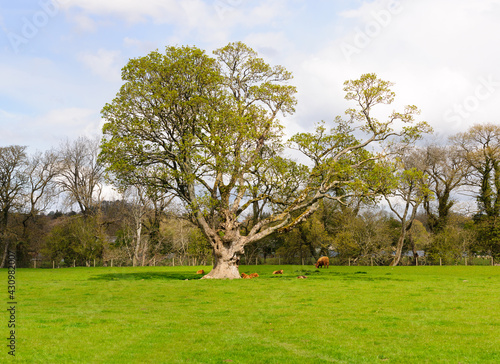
199,127
343,169
207,130
253,82
156,114
368,91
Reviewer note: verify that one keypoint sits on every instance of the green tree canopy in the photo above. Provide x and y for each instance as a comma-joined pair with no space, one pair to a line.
207,130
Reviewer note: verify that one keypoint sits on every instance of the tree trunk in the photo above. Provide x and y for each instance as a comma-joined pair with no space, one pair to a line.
3,235
135,259
405,228
144,253
226,262
399,249
4,255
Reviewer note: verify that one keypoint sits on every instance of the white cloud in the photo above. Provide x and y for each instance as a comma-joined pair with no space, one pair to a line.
84,23
10,124
270,45
34,82
367,10
160,11
436,52
48,130
210,21
104,63
265,14
143,46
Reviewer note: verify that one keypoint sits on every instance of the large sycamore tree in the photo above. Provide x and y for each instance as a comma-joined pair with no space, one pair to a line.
207,129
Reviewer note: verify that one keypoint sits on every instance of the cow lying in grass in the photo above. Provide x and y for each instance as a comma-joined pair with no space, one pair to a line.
249,276
278,271
322,262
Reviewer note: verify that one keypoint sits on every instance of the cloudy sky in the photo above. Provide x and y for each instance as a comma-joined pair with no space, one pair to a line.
61,59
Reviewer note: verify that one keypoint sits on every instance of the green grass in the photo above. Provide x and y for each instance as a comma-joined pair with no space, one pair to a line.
339,315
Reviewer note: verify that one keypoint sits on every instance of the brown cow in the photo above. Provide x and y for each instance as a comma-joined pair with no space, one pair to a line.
201,271
322,262
301,277
278,271
245,276
254,275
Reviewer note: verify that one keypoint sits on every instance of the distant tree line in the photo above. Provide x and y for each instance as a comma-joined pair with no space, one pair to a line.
425,211
194,147
138,228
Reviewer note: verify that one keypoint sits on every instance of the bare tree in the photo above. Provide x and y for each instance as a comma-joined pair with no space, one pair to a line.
13,162
410,191
143,214
41,172
136,211
158,203
81,176
480,147
447,170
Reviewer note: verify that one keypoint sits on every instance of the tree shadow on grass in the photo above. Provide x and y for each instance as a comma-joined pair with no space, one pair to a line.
146,276
353,276
365,276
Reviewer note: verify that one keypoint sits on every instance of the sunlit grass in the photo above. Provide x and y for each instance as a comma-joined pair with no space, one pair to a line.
340,314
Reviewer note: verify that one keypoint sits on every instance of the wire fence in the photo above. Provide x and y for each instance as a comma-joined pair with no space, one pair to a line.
272,260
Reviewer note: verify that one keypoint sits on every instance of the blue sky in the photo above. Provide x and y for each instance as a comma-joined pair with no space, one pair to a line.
61,59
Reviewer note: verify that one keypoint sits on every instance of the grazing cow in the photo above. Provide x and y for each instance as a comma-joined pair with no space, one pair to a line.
301,277
254,275
278,271
322,262
201,271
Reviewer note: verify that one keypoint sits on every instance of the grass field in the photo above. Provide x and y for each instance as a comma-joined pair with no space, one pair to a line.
340,314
